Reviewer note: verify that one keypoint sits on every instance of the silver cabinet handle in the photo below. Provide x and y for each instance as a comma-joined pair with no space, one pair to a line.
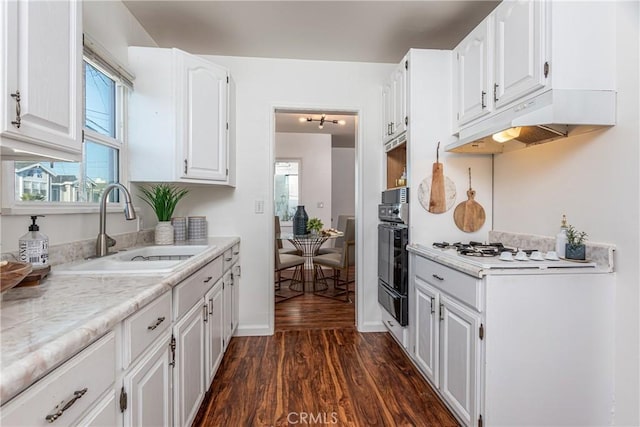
206,313
17,121
228,259
211,306
435,276
59,410
237,253
495,92
433,308
390,323
156,324
208,279
484,104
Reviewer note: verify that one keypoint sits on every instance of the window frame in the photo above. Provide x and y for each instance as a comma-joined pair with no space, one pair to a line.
11,206
297,160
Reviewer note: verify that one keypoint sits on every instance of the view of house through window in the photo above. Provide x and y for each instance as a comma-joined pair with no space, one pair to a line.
286,188
81,181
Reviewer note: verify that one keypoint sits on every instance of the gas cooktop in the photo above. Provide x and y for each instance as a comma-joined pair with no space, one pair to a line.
486,256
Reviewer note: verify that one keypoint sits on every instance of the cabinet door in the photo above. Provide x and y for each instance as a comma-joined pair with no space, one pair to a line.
426,330
235,283
473,71
519,64
387,111
188,380
204,118
148,387
227,291
459,358
399,99
214,332
43,62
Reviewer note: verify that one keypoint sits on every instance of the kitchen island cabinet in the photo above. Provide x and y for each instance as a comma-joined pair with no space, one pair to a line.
41,80
514,347
182,115
158,343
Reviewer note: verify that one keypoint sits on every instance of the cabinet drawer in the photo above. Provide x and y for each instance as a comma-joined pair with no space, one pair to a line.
195,286
104,413
227,259
143,327
461,286
86,376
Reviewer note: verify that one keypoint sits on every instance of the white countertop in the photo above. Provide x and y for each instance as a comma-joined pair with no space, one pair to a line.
43,326
482,266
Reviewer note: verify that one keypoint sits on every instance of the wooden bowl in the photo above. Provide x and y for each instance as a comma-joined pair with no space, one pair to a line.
12,273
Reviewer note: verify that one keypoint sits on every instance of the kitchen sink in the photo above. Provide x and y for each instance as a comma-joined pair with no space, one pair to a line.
144,260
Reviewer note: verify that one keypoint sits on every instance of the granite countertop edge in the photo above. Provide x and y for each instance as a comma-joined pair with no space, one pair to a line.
23,371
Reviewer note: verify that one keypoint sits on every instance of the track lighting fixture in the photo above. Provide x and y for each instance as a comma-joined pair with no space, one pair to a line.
323,119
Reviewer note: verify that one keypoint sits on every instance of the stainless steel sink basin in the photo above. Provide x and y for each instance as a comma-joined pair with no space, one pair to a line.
144,260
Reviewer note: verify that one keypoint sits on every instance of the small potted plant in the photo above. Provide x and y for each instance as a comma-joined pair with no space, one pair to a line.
314,225
575,248
163,199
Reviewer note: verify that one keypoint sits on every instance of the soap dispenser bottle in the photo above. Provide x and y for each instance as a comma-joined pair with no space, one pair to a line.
33,247
561,238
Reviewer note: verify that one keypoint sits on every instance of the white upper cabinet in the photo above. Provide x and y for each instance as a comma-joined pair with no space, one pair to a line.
41,71
519,50
180,114
394,102
527,47
474,68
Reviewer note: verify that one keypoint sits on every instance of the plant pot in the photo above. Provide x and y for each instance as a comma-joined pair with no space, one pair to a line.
164,233
575,252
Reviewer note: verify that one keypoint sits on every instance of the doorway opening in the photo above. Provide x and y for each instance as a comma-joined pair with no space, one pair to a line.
315,164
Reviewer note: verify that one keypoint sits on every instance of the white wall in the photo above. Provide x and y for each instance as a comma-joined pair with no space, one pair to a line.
111,25
343,188
314,151
594,180
261,86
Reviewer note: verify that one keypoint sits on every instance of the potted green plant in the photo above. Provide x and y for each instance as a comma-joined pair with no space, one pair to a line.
163,199
575,248
314,225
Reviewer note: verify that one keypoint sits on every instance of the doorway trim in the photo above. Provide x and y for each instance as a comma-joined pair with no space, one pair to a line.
357,112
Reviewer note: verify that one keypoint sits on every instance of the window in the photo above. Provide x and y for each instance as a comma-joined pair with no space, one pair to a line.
286,188
83,182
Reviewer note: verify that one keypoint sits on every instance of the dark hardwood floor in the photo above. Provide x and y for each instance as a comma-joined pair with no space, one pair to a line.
317,369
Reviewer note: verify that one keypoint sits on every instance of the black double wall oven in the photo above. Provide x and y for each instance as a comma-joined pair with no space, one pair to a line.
393,259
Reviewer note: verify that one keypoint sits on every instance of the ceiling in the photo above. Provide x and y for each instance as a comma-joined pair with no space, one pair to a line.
361,31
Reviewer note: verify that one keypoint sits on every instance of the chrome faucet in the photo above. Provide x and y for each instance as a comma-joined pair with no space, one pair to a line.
104,242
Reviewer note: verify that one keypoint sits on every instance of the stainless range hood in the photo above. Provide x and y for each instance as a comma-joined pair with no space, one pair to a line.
552,115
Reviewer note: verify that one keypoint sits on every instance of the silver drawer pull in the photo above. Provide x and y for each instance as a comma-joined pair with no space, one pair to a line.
18,119
237,253
208,279
59,410
437,277
155,325
228,259
211,306
390,323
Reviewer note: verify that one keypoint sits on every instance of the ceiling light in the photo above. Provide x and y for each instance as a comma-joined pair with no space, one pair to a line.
507,135
323,119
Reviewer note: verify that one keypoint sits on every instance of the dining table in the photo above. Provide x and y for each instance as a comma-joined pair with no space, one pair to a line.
308,245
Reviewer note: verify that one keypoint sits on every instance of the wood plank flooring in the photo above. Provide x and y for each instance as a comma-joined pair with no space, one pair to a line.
317,369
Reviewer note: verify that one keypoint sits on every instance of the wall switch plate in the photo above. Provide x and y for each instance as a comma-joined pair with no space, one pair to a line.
259,206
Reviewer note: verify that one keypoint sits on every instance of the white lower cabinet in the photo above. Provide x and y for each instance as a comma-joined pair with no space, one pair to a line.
497,358
148,387
459,358
214,332
189,377
445,347
153,369
67,393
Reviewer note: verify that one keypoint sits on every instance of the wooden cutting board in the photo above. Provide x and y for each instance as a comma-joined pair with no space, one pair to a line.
437,198
469,215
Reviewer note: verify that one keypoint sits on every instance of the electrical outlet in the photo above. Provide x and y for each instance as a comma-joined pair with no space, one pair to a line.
259,206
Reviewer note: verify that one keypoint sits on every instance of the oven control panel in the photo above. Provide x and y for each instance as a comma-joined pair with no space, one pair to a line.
394,212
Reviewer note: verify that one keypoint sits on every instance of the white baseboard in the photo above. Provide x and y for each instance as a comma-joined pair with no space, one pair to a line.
253,331
376,326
